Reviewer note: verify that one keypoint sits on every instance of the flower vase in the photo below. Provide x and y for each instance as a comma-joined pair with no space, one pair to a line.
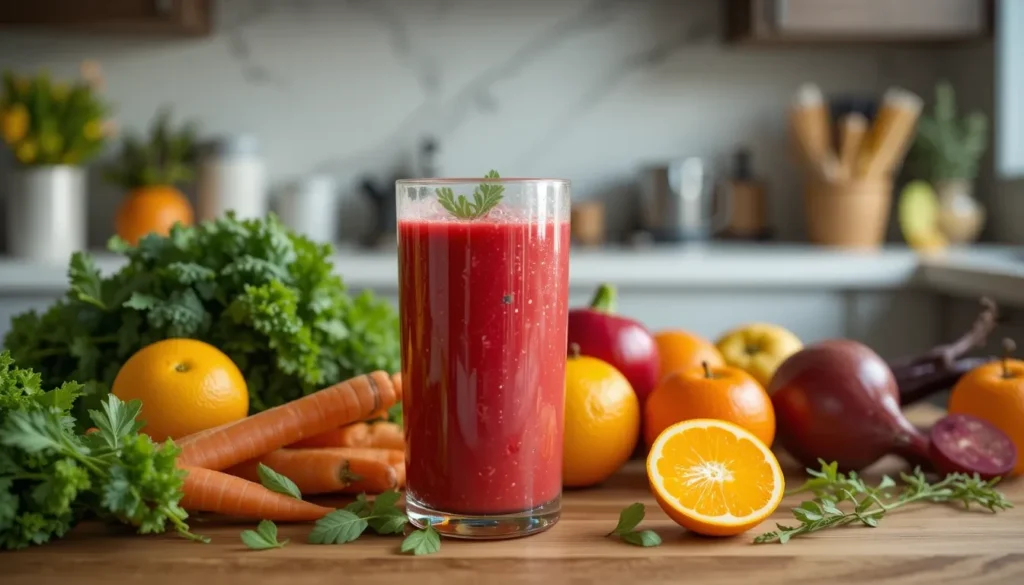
46,213
961,216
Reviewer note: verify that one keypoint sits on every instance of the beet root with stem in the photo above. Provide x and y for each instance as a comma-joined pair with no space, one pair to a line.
837,400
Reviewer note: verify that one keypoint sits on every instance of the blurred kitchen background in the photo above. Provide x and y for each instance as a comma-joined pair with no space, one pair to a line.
698,186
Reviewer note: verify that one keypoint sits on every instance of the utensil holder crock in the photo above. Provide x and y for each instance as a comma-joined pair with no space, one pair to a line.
848,214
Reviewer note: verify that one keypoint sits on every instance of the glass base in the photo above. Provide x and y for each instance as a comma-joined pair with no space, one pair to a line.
485,527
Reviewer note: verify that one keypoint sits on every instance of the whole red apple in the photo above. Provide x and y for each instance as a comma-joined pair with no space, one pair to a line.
837,400
620,341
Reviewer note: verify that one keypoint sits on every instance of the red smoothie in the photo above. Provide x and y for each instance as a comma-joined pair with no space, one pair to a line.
484,307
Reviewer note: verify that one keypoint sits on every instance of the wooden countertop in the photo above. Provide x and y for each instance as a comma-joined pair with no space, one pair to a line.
926,544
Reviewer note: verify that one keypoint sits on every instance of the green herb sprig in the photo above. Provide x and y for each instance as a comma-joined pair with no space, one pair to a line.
277,482
383,516
870,504
425,541
50,478
264,537
485,197
629,519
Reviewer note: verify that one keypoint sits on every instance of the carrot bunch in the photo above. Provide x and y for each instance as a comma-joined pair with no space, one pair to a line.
326,442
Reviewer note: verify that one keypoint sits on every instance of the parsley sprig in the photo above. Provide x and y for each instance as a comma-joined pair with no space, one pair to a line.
869,504
50,477
629,519
485,197
264,537
383,516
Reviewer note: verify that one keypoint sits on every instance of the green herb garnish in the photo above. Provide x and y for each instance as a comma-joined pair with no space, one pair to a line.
485,197
425,541
263,538
276,482
348,524
51,478
869,504
629,519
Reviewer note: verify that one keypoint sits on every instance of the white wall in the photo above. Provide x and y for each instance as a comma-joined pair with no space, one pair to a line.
584,90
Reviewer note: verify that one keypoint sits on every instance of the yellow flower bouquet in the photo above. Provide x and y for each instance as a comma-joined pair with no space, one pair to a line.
48,122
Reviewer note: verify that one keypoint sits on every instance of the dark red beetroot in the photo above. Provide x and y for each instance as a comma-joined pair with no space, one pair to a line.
967,444
837,400
622,342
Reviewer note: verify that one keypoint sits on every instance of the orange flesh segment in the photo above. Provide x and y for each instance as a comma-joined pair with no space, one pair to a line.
715,473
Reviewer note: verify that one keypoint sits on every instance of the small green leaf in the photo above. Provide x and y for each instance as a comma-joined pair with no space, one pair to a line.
424,541
642,538
629,518
263,538
276,482
886,483
808,511
392,522
869,521
360,507
338,527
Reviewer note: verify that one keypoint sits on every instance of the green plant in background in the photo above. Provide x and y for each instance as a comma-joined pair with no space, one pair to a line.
949,147
47,122
166,157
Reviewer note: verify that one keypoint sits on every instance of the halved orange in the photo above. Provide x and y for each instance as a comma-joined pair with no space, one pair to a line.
714,477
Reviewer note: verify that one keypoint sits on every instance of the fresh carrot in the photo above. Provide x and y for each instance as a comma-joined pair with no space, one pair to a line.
389,456
323,471
385,435
346,436
382,413
399,473
218,492
381,435
261,433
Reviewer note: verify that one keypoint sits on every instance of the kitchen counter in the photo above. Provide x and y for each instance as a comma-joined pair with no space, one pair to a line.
918,545
893,299
726,265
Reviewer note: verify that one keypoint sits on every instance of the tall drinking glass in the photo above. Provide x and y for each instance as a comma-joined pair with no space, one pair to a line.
483,279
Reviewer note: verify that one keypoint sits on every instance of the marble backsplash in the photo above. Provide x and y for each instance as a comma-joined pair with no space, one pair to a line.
583,89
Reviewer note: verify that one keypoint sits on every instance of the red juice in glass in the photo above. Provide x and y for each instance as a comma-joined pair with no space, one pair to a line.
483,298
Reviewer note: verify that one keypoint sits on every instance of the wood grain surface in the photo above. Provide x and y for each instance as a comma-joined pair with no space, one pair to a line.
925,544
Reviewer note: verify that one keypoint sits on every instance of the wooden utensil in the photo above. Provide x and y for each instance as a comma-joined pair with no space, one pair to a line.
809,119
890,135
852,127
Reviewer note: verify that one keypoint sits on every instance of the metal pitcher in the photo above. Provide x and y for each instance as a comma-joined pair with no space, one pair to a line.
678,201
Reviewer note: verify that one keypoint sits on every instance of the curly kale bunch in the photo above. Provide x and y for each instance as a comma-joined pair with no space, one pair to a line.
265,296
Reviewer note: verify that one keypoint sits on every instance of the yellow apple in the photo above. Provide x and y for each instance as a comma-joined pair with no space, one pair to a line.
758,348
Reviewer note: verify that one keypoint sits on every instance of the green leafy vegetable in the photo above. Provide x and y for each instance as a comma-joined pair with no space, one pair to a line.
485,197
338,527
382,515
265,296
50,478
425,541
276,482
867,504
629,518
264,537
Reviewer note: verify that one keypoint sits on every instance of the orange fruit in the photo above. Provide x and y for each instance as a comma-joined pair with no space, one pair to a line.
185,386
680,350
994,392
602,421
154,210
714,477
719,392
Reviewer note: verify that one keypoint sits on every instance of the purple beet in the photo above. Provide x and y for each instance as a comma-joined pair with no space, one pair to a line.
967,444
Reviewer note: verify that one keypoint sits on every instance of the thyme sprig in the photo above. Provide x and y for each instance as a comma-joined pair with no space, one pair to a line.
869,504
